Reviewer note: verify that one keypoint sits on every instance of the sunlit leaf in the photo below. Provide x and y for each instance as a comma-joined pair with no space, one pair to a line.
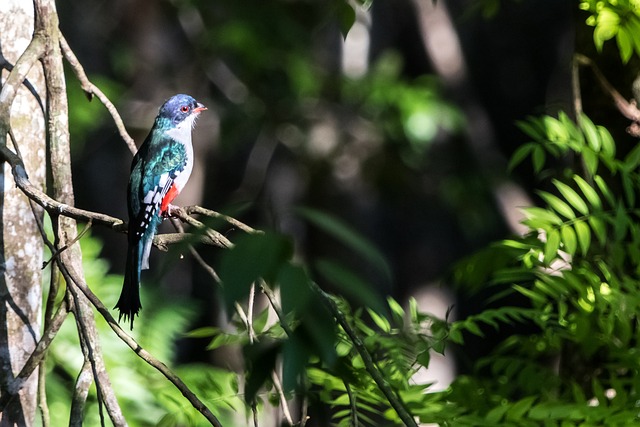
590,158
530,294
584,236
569,239
557,205
543,215
591,133
608,144
552,246
204,332
605,190
625,45
380,321
589,193
572,197
599,229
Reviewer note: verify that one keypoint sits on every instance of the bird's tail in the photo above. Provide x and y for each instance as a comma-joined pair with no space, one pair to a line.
129,302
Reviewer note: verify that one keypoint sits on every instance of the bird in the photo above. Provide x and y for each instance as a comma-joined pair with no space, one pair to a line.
159,171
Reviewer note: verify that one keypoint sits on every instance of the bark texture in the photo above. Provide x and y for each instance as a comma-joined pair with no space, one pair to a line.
21,247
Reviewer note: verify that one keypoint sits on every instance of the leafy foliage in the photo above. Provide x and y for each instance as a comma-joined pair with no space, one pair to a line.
619,19
576,267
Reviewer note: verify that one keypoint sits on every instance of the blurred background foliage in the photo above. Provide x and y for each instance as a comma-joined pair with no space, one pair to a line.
371,139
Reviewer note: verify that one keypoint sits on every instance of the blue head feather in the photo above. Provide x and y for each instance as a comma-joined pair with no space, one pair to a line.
179,107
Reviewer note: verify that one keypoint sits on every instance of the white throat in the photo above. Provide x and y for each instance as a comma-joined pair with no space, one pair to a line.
182,132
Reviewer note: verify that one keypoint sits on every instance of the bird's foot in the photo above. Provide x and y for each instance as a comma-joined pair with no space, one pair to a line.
171,211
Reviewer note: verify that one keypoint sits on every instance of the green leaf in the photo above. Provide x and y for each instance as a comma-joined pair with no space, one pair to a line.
345,234
380,321
589,193
599,228
607,25
608,144
204,332
572,197
557,205
520,154
350,285
530,294
633,24
556,131
552,246
620,223
632,159
346,16
605,190
542,215
495,415
625,45
396,309
253,256
518,409
591,132
590,160
584,236
295,292
532,128
472,327
538,157
569,239
629,189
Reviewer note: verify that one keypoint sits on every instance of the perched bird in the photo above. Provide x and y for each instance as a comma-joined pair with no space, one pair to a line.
159,171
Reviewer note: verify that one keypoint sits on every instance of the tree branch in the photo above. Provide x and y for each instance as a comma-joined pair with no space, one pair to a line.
91,90
628,109
141,352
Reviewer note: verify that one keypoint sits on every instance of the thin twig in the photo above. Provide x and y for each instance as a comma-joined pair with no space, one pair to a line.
283,399
352,404
250,302
180,229
213,214
272,300
91,89
220,240
75,239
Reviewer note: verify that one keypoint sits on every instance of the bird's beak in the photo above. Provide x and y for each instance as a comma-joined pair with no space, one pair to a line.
199,108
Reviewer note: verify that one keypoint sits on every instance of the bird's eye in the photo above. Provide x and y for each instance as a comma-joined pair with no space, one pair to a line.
184,108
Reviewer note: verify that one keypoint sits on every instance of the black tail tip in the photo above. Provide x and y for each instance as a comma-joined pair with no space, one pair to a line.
128,314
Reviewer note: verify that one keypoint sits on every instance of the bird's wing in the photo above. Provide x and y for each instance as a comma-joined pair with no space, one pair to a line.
157,170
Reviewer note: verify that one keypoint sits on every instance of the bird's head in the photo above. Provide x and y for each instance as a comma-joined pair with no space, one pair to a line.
180,111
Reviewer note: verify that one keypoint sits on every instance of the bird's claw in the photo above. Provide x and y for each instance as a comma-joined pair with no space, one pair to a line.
171,211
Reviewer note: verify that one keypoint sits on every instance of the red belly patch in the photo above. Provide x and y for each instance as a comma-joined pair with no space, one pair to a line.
168,198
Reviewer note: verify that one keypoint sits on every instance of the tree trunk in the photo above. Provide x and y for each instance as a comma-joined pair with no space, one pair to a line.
20,242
